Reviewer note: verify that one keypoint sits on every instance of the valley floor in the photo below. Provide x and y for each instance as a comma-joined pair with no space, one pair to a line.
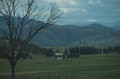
103,66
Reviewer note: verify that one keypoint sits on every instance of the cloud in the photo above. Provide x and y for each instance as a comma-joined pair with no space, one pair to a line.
65,5
94,2
84,10
91,20
65,10
73,3
63,2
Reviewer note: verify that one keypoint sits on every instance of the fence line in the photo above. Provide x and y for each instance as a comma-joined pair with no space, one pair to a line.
49,77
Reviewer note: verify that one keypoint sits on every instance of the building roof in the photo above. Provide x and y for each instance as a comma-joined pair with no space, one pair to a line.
57,54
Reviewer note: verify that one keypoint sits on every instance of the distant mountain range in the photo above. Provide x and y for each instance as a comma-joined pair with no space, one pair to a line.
117,27
73,35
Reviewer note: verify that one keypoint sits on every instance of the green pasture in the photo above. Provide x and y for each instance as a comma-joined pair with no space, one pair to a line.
103,66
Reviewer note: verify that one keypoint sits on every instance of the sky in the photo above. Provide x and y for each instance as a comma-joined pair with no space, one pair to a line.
83,12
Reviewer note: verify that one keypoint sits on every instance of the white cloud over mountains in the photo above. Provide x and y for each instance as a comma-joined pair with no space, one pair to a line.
92,20
94,2
76,11
64,4
67,5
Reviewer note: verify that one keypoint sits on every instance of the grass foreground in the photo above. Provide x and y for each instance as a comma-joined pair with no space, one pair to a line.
103,66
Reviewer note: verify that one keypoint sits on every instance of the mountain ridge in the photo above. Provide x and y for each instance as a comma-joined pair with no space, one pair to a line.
71,35
81,35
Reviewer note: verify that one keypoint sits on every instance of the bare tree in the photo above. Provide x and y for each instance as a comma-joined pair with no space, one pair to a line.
18,15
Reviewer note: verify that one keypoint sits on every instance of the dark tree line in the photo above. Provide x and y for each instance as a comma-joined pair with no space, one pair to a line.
71,52
74,52
115,49
29,49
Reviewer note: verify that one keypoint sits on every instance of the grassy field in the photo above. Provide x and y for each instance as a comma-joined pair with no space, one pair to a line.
85,67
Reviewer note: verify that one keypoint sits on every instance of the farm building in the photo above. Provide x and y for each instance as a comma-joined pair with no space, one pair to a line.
60,56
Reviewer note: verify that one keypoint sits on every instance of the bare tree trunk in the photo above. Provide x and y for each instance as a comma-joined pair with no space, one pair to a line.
13,65
12,72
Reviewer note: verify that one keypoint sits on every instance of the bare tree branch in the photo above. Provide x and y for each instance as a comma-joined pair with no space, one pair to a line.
17,16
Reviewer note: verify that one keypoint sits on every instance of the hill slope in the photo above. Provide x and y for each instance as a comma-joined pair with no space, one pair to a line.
67,35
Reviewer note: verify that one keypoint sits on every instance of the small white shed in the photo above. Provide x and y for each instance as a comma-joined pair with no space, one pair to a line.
59,56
